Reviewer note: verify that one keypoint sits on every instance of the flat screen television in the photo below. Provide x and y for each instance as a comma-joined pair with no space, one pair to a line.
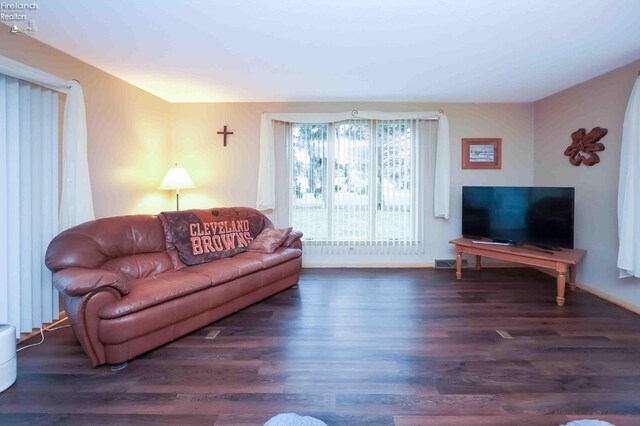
540,216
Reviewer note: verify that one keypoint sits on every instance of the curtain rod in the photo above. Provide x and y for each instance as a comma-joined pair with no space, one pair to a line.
33,75
355,111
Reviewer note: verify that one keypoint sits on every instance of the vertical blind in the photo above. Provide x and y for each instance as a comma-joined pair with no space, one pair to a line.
267,197
355,186
28,213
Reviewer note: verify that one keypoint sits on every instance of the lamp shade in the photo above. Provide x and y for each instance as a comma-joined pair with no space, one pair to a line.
177,178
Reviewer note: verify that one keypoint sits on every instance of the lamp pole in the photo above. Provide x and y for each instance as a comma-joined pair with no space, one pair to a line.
176,179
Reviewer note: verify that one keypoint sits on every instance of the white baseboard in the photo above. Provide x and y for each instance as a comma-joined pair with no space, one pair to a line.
601,294
598,293
377,266
408,265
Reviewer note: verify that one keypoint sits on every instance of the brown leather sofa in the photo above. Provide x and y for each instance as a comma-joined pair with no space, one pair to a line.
126,292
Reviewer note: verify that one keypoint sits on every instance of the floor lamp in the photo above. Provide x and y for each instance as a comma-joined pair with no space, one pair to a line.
176,179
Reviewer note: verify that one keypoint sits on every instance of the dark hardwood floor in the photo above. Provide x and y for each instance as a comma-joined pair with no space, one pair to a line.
362,347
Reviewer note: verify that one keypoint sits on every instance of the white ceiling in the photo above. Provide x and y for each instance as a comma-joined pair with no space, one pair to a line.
346,50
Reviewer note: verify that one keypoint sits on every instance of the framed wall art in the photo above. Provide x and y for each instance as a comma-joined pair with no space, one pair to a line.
482,153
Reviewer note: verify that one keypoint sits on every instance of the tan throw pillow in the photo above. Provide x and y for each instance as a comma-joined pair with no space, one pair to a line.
269,240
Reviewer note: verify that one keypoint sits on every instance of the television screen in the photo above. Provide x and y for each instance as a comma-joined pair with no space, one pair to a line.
520,215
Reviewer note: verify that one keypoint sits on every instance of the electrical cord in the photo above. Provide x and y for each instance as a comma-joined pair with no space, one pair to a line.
42,334
58,328
35,344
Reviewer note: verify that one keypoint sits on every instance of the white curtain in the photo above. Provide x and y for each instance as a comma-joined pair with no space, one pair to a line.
28,212
629,189
283,178
29,184
76,201
266,197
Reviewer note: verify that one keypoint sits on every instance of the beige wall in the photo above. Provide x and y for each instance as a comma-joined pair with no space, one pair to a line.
228,176
598,102
128,129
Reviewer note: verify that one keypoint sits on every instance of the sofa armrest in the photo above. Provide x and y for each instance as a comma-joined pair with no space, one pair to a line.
81,281
293,240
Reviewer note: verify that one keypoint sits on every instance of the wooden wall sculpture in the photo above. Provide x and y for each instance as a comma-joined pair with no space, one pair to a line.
585,145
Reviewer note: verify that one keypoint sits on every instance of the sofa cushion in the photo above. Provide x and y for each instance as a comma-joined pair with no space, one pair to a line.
91,244
178,312
227,269
157,289
151,291
139,265
268,260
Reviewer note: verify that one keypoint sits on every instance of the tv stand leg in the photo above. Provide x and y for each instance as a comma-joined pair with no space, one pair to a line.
560,283
572,277
458,265
478,262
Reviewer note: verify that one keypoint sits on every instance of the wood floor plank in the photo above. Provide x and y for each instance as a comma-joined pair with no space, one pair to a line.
436,405
362,347
613,419
575,403
331,419
30,419
480,420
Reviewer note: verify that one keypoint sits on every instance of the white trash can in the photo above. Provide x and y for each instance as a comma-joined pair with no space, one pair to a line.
8,365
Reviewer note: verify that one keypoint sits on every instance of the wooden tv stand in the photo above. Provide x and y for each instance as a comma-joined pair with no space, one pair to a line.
560,261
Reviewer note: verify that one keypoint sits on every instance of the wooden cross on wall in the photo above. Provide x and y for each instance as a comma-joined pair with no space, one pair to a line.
225,133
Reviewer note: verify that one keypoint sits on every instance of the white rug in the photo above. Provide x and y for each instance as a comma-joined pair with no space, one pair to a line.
292,419
588,423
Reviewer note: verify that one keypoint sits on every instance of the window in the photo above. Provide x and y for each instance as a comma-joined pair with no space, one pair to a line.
354,182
